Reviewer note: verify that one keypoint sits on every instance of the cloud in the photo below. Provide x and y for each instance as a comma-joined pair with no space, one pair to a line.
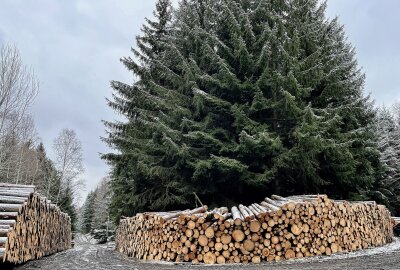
74,47
372,27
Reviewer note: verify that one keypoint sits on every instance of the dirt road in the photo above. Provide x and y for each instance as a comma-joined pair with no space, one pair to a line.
88,256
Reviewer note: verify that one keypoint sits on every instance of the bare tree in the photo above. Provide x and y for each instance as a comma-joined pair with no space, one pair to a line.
68,160
18,89
27,159
19,159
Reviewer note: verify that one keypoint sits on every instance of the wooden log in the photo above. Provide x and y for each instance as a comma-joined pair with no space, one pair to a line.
4,232
8,215
257,213
3,241
238,235
16,186
237,216
185,212
246,213
9,222
248,245
10,207
260,208
226,239
203,240
277,204
12,200
305,198
290,254
221,259
209,258
209,232
255,226
279,198
15,194
269,206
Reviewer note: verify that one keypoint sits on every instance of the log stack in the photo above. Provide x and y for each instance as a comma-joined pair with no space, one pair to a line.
30,225
278,228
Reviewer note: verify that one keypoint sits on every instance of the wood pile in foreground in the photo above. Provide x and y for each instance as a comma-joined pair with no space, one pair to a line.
30,226
276,229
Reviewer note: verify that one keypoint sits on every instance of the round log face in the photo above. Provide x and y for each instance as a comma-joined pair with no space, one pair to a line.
209,258
238,235
276,229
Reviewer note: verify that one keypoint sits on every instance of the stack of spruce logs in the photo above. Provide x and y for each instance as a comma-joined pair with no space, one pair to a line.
277,228
30,226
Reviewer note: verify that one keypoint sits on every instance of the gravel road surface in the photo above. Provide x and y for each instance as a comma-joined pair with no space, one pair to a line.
88,256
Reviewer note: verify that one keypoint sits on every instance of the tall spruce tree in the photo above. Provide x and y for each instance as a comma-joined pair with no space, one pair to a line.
237,100
66,204
47,181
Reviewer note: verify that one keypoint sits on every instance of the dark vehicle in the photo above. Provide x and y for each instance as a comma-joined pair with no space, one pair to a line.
396,230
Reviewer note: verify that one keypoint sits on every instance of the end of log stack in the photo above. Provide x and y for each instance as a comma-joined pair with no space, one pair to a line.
30,226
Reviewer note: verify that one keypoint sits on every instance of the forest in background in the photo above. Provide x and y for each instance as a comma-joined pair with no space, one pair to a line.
236,100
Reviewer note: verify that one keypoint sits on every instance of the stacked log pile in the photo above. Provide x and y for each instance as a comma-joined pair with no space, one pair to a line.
30,226
277,228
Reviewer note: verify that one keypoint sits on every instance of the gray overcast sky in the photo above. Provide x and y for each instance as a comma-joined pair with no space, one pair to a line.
75,45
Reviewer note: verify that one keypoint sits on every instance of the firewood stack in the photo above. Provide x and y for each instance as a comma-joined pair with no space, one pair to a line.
277,228
30,226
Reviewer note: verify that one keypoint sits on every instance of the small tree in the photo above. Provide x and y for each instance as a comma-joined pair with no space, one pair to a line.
102,225
68,163
66,203
88,213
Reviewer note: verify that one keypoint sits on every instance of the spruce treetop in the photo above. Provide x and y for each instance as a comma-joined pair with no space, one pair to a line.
236,100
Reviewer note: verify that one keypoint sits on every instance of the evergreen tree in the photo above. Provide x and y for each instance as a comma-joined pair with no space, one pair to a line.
88,213
102,225
66,204
238,100
101,205
388,132
46,181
